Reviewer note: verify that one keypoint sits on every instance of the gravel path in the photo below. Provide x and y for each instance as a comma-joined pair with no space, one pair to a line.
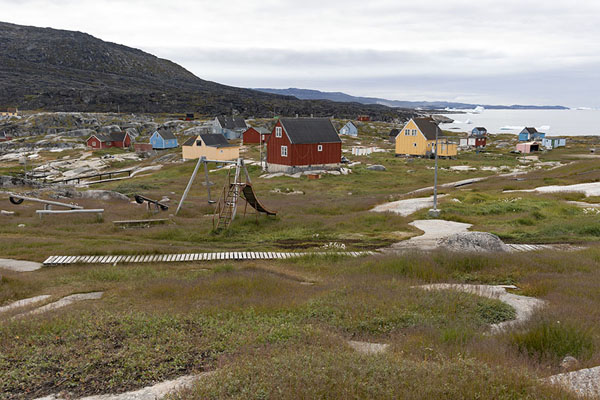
23,303
19,265
585,382
407,206
148,393
65,301
589,189
434,230
523,305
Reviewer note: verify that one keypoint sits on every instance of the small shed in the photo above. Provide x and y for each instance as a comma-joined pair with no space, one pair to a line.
553,142
142,147
163,139
211,146
255,135
231,127
528,147
349,129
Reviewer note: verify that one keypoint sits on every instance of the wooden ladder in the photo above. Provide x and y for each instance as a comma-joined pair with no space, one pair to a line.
227,204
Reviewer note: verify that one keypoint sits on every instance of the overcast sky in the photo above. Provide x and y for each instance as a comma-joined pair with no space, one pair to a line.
479,51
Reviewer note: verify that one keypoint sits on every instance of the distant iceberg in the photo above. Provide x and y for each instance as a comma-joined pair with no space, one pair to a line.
468,122
511,128
543,128
478,110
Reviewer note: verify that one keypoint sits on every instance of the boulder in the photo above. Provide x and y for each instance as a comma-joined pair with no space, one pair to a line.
473,242
569,363
376,167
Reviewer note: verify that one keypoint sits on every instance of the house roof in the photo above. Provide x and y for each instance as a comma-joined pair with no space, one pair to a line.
480,128
394,132
166,133
263,131
110,137
190,141
530,130
310,130
428,128
350,123
215,140
231,122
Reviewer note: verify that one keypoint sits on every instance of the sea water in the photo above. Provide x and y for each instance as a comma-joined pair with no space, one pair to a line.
552,122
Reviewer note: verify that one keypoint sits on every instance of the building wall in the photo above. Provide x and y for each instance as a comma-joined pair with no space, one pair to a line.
251,136
212,153
412,145
301,154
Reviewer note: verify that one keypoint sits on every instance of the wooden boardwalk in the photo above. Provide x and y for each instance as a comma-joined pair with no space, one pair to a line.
541,247
190,257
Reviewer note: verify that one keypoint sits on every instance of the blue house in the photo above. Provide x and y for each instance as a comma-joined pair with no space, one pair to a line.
349,129
163,139
530,134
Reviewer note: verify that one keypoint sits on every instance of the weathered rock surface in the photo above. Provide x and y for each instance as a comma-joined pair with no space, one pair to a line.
473,242
377,167
105,195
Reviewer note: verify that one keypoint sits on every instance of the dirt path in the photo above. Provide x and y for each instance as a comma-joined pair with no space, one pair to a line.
434,230
148,393
19,265
407,206
523,305
65,301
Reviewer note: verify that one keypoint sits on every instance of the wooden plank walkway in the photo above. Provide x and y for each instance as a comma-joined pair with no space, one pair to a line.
220,256
541,247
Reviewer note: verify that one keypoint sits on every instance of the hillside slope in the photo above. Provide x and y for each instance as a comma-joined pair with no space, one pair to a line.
57,70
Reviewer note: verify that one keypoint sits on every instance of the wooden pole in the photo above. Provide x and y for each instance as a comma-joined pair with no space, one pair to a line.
189,185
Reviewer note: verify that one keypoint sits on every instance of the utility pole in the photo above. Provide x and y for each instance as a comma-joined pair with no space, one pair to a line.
434,212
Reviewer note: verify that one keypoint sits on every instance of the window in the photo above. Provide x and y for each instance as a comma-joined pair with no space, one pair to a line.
414,144
407,132
198,142
320,147
278,132
283,151
414,132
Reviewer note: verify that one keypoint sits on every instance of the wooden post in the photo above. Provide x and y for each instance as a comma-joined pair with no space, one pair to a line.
189,185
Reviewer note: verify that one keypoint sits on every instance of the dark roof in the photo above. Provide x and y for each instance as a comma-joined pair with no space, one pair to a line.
427,127
530,130
394,132
166,133
232,122
190,141
263,131
215,140
117,136
310,130
11,110
480,128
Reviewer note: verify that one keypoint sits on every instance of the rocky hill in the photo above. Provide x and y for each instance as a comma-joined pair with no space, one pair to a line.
57,70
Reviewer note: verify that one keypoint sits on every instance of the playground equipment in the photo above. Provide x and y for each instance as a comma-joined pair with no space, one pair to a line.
149,202
18,199
236,186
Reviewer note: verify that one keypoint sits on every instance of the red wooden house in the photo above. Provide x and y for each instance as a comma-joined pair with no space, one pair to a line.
253,135
363,118
299,144
105,141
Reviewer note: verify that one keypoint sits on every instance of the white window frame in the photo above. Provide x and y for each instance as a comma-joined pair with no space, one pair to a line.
284,151
278,131
320,147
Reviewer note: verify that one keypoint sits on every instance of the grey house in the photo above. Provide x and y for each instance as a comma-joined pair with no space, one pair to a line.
230,127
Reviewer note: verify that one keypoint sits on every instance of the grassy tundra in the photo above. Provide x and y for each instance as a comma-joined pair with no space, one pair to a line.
279,329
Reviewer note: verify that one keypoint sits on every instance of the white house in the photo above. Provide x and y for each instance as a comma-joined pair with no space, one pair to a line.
349,129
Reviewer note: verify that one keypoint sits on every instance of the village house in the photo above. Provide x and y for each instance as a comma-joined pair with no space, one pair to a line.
255,135
527,147
363,118
477,138
530,134
349,129
300,144
230,127
163,139
393,133
4,137
113,139
10,112
417,138
553,142
211,146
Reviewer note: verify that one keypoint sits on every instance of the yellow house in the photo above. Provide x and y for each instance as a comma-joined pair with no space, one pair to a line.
10,112
418,139
211,146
